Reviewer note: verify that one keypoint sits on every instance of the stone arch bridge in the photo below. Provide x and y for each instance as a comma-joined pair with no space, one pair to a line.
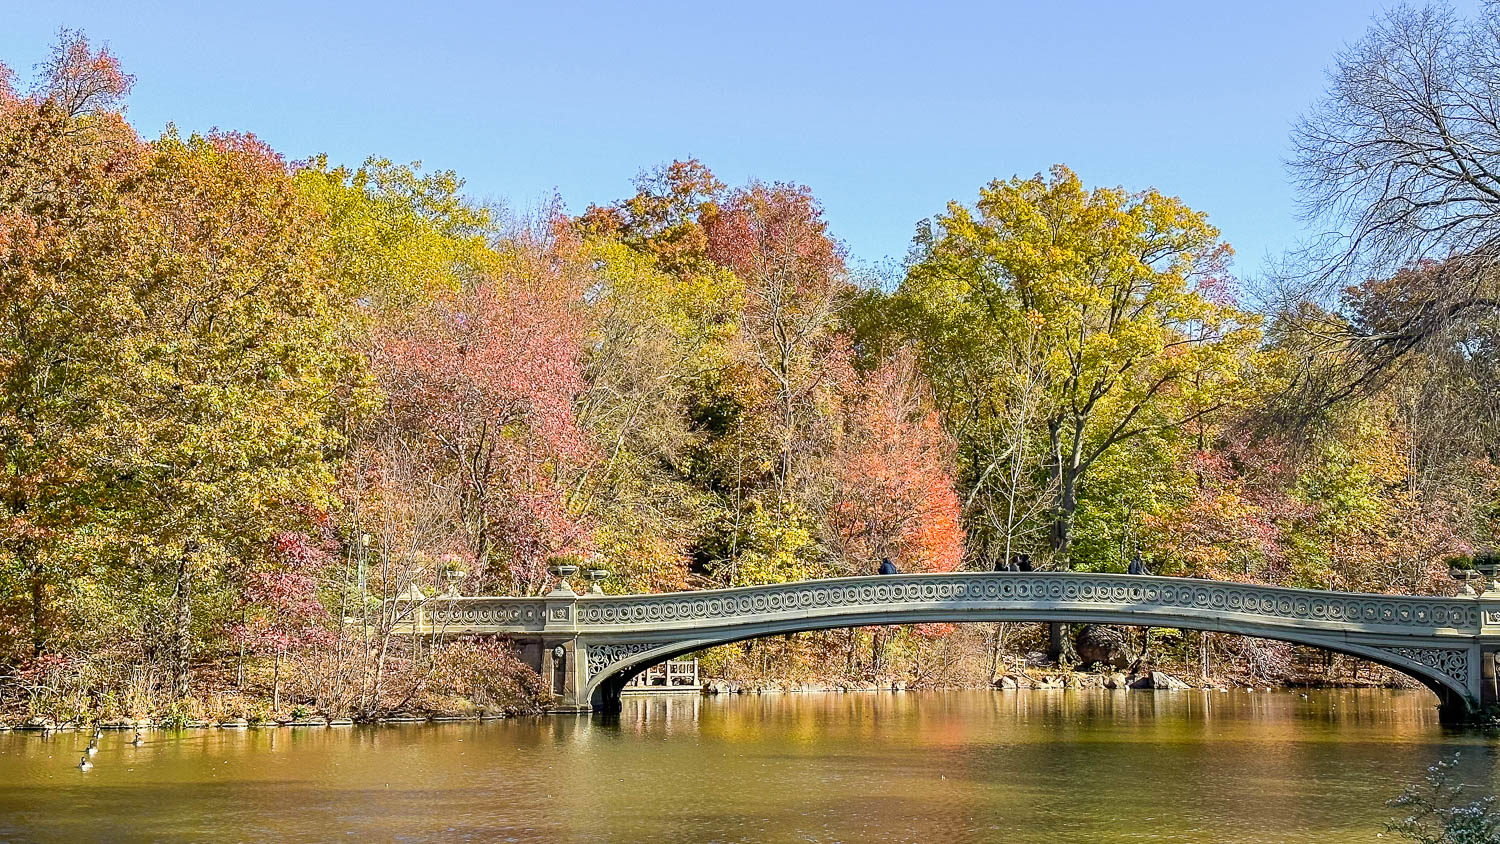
588,645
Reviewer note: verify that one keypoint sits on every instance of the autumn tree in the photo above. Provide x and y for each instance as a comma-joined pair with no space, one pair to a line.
655,342
397,236
279,604
232,370
752,285
1113,299
666,219
663,392
67,226
774,238
890,487
170,366
488,375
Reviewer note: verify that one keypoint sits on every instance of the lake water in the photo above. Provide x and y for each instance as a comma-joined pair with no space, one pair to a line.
918,766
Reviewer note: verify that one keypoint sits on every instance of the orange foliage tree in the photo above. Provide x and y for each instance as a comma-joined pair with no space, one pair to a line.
891,485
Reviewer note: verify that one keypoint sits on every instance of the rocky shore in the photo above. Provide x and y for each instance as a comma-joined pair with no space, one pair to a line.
1008,682
1145,679
48,725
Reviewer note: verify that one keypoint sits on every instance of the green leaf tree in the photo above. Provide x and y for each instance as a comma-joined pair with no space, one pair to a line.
1113,303
231,370
68,220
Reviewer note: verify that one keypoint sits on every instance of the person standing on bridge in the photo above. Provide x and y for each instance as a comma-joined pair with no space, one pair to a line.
1013,563
888,567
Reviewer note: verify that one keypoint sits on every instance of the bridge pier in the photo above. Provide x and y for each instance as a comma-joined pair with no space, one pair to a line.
560,663
1489,676
1453,708
607,695
546,633
1487,672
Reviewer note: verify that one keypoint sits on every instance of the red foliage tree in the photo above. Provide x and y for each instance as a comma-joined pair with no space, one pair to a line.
279,604
81,80
489,375
774,239
776,235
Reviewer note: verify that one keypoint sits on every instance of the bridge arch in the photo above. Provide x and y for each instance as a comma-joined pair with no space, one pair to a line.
619,662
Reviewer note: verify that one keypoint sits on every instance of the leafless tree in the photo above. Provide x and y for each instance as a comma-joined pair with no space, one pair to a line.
1398,169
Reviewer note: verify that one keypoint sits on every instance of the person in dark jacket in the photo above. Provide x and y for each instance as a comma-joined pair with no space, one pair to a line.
888,567
1023,562
1137,565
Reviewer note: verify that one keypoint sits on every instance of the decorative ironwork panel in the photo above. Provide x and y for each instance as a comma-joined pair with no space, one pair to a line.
479,612
1453,662
604,656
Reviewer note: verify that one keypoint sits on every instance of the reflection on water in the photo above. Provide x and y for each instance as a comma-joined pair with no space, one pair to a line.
961,766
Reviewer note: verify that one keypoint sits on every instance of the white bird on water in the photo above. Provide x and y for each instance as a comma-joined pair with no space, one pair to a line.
84,764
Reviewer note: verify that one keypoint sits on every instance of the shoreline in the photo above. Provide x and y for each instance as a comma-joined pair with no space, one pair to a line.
710,688
1143,679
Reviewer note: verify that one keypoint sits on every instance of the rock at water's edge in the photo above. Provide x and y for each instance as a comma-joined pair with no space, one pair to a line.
1158,680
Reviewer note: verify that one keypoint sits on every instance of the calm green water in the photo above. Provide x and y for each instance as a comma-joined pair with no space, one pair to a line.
969,766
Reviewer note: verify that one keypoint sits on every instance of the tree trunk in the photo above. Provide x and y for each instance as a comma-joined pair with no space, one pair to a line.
276,683
997,641
1062,536
182,621
28,557
1056,641
376,685
1062,521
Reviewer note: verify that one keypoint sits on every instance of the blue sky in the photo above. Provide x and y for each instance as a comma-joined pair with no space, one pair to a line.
886,111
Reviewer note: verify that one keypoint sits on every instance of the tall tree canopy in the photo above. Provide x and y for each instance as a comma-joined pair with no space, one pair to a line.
1101,314
69,225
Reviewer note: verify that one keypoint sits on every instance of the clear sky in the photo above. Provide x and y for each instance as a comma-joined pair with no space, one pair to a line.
886,110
